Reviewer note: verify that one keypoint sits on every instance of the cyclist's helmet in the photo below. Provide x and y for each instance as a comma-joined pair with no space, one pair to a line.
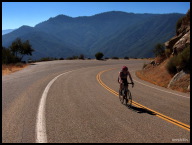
124,68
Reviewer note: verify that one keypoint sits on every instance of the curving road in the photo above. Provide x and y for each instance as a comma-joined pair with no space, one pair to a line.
63,101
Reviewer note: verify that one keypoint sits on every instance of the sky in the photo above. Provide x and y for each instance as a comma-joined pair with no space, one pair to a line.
17,14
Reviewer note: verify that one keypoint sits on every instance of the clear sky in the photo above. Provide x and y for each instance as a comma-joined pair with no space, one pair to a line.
16,14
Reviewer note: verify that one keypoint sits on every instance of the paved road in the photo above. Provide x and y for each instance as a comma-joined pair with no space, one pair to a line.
79,109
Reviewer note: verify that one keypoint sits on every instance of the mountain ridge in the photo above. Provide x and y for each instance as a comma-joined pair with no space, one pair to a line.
114,33
6,31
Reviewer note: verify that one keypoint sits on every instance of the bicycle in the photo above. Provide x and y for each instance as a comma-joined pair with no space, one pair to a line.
126,96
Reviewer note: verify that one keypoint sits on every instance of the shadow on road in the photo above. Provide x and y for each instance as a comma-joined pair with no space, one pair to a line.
141,110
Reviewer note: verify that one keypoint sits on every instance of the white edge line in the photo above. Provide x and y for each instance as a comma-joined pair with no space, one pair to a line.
41,135
161,90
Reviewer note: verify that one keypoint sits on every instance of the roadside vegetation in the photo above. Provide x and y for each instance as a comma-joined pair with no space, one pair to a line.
179,62
16,52
165,66
12,56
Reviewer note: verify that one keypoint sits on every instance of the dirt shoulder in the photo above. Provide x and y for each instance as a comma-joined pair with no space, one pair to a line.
11,68
158,75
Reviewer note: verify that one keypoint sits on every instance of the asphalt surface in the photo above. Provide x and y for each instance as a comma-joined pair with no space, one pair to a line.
78,109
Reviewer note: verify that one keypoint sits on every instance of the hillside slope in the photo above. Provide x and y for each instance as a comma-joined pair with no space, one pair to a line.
179,59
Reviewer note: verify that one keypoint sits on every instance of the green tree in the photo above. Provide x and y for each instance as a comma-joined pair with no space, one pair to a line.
179,62
126,57
99,55
82,57
7,56
26,49
19,48
159,50
168,52
16,46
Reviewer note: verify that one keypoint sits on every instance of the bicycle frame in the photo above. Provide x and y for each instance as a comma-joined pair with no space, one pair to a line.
125,92
125,88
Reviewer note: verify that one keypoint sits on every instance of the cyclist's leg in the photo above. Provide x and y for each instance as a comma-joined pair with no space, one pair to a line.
120,89
120,86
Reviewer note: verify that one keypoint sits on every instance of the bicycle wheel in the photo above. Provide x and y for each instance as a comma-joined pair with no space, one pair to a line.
129,99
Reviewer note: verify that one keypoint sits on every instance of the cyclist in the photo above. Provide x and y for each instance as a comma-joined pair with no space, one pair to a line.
123,78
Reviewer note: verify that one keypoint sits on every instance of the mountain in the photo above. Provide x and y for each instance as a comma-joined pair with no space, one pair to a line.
7,31
113,33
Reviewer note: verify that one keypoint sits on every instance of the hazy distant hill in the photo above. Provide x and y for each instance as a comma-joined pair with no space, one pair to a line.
7,31
113,33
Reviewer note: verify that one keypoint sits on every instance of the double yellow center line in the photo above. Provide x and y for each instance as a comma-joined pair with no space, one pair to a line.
164,117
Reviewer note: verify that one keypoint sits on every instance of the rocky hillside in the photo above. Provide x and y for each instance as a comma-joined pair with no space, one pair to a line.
182,39
173,71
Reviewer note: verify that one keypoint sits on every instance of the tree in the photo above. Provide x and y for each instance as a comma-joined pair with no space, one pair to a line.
82,57
16,46
19,48
99,55
126,57
159,50
26,49
7,56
